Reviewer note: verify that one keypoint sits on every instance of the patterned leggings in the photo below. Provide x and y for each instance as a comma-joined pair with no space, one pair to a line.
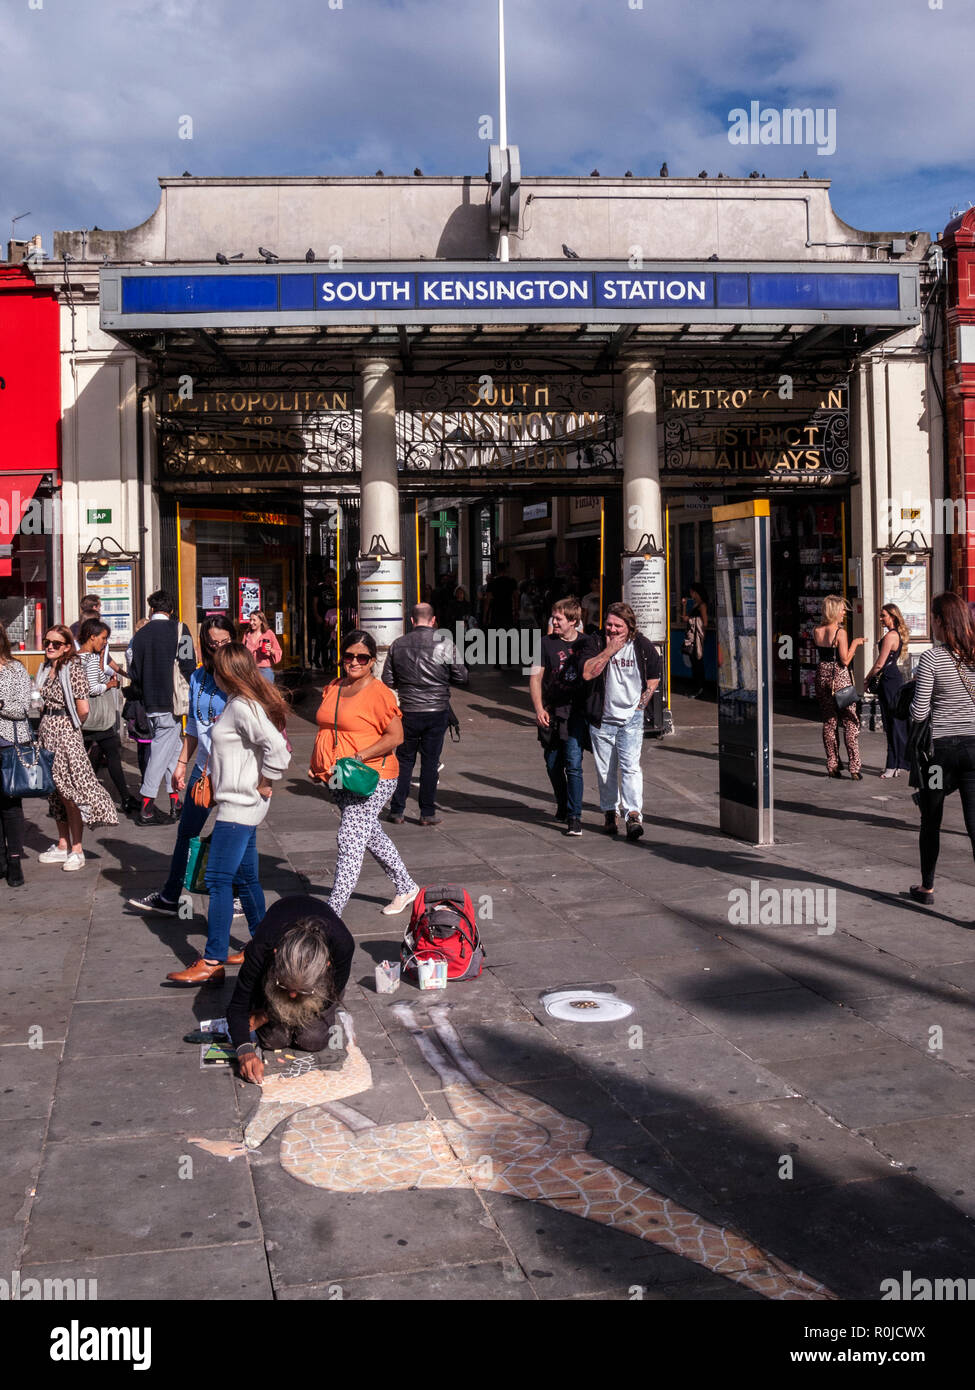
359,831
826,673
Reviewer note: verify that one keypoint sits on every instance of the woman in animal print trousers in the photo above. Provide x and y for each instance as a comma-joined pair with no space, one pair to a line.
360,831
359,718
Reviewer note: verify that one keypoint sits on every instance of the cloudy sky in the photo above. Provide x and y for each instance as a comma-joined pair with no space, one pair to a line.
93,94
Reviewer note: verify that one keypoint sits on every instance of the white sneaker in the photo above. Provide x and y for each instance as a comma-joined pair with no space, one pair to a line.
52,855
399,902
72,862
239,908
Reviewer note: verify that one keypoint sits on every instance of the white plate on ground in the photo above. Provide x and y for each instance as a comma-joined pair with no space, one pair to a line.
585,1006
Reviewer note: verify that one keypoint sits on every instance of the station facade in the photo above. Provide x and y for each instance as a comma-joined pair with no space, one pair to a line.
384,386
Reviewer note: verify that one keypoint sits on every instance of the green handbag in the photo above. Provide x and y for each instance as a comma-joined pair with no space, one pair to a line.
194,880
351,774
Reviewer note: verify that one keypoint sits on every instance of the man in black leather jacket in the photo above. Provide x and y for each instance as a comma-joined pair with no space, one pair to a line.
421,667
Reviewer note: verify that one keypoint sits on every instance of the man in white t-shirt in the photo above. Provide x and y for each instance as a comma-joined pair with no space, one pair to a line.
624,676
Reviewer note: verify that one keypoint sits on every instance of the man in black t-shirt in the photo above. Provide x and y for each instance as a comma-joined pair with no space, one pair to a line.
560,709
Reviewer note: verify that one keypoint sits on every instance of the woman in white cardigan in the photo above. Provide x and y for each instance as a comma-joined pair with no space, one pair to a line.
248,752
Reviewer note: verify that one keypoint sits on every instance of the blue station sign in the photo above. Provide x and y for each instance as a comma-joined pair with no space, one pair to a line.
141,297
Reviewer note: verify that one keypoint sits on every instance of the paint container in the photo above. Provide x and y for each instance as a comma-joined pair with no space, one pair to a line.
387,977
432,973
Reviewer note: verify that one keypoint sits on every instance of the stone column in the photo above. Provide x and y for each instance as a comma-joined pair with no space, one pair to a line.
379,506
642,511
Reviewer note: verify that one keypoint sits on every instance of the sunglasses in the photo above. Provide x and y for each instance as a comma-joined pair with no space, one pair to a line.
54,645
360,658
301,993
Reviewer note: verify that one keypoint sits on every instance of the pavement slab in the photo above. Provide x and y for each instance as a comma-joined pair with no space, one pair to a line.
27,1080
146,1207
669,1074
493,1279
882,1084
236,1271
315,1237
142,1093
940,1148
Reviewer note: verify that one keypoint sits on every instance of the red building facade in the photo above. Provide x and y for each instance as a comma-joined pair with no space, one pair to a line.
959,248
30,413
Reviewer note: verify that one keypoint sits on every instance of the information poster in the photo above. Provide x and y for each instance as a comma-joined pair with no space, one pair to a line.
645,590
907,587
215,594
381,598
249,598
115,586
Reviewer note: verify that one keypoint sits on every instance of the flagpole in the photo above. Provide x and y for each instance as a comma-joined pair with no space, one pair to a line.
502,112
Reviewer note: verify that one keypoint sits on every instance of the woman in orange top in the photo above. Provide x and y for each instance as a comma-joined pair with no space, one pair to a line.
359,717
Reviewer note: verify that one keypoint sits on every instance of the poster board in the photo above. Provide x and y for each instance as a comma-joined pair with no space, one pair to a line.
215,593
248,598
116,585
909,587
381,585
645,590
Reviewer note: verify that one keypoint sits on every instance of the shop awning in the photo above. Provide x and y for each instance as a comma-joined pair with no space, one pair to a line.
16,492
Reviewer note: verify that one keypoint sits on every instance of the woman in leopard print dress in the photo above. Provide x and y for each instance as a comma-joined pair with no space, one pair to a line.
78,798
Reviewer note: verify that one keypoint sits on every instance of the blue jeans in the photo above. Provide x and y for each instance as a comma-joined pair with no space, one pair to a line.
233,859
563,761
267,672
191,822
616,750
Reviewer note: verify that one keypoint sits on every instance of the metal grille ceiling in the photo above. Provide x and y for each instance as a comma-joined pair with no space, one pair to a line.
591,347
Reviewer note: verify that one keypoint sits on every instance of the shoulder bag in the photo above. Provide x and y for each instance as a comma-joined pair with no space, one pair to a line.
101,711
25,768
202,790
181,686
847,695
694,641
351,774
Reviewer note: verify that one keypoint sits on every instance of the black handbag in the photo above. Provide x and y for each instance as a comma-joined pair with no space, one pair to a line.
847,695
25,768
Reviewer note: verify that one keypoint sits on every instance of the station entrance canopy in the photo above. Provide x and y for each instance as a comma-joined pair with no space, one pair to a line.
505,374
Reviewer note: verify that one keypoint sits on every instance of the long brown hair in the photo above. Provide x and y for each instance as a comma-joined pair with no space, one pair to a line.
236,671
900,627
953,614
68,654
5,653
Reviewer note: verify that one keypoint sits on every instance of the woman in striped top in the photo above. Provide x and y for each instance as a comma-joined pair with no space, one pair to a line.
944,687
100,732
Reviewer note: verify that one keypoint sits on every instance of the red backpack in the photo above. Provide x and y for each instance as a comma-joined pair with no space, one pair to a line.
443,924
